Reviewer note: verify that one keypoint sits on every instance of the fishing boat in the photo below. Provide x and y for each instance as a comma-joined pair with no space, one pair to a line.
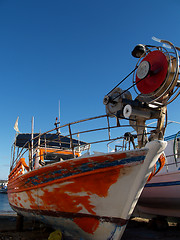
161,195
68,182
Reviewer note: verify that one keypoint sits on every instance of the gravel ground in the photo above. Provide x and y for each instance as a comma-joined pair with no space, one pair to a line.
137,229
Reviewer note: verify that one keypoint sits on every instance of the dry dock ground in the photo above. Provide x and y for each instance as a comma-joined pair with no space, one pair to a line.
137,229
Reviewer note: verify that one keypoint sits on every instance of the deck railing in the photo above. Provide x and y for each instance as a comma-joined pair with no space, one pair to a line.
108,130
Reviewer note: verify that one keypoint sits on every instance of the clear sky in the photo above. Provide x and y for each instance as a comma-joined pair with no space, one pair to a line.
74,51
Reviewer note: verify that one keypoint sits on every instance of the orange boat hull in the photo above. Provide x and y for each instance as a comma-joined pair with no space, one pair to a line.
91,197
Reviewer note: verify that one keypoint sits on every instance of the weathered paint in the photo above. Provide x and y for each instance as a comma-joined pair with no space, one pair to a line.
69,168
89,197
158,166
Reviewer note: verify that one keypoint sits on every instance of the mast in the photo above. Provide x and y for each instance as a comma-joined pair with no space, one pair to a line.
32,142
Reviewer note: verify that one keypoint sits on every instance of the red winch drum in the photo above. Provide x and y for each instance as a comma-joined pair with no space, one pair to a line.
151,72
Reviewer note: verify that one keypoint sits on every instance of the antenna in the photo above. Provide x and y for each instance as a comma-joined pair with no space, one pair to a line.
59,117
59,112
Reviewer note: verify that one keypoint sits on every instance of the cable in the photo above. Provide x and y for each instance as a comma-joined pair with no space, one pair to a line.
127,89
123,79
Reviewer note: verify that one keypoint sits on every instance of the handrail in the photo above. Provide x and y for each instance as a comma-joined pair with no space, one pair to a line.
71,133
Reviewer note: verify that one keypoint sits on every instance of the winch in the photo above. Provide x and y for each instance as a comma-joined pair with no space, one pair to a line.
156,84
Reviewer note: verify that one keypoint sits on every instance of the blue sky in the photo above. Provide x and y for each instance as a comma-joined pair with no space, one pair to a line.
74,51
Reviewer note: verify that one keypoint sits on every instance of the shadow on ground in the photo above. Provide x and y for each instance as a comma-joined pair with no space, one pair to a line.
137,229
